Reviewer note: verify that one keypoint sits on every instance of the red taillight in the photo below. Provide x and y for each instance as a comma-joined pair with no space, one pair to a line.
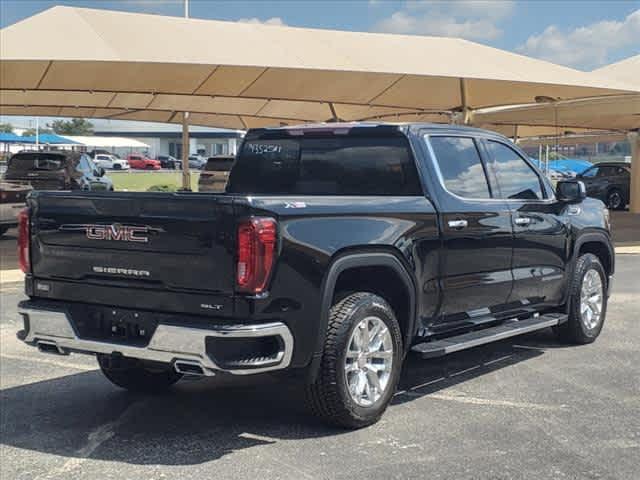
23,240
256,249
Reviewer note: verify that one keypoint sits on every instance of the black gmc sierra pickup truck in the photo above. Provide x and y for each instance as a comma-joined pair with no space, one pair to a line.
335,251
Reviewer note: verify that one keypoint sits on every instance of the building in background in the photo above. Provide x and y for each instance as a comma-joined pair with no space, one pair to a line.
166,139
152,139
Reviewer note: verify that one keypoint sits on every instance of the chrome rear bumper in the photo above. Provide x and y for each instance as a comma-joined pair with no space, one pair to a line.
52,331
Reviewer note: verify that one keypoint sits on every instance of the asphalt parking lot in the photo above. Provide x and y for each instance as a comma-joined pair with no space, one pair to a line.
528,408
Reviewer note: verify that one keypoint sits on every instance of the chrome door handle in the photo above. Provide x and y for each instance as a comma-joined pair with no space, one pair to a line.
522,221
457,223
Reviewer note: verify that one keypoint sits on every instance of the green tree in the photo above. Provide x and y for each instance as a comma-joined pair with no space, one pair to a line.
75,126
6,128
31,132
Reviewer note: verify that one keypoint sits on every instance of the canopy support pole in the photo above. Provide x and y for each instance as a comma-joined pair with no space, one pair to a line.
186,173
634,193
334,115
466,111
546,160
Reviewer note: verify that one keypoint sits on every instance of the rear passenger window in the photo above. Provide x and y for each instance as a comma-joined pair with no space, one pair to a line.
460,166
516,178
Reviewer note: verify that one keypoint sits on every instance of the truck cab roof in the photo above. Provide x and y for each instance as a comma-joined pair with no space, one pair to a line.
344,128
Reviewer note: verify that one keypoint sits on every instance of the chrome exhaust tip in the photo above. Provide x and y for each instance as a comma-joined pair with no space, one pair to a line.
45,346
187,367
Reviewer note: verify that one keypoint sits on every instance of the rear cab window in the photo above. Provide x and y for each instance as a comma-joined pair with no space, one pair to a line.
326,165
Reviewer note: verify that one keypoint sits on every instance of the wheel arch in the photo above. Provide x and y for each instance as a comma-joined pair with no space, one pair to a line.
598,244
360,260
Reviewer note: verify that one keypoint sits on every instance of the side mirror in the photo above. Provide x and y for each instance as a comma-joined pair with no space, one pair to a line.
571,191
100,171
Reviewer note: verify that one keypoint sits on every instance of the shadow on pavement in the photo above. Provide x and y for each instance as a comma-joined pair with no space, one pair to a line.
202,420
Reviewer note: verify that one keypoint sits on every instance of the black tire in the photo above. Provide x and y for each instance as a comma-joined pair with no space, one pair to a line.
615,200
575,330
117,166
135,376
3,230
328,397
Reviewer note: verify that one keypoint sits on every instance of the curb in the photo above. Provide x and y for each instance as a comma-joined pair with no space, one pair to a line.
628,249
11,276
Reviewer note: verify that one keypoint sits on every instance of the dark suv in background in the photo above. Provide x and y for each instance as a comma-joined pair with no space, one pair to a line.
215,174
167,161
57,170
609,182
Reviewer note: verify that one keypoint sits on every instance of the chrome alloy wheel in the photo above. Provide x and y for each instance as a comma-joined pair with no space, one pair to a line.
368,361
591,298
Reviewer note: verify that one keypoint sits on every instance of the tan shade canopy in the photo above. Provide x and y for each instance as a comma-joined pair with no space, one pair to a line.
526,131
94,63
627,70
606,113
616,112
575,139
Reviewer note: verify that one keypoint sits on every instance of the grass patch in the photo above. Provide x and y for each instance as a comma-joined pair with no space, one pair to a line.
141,182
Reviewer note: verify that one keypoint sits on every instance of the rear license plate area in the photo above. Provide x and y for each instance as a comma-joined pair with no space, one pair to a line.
114,325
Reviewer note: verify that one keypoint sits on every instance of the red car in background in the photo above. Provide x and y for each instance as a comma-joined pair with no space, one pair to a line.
142,162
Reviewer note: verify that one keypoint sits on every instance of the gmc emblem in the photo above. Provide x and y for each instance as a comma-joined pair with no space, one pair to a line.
119,233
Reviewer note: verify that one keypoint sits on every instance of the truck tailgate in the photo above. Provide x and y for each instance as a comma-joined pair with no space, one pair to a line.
155,241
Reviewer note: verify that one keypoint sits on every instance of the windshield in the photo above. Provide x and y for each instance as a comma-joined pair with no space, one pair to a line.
36,161
349,165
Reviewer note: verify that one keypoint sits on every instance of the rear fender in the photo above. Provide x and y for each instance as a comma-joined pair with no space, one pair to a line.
355,260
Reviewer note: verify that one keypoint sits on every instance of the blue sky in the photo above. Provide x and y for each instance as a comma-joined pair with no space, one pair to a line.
580,34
